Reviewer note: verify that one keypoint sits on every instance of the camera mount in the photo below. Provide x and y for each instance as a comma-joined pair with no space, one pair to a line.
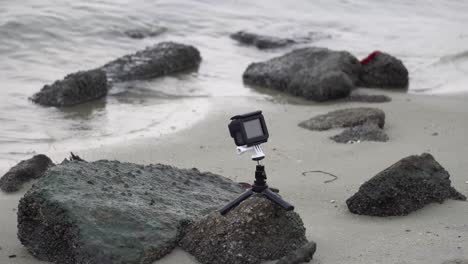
258,152
249,131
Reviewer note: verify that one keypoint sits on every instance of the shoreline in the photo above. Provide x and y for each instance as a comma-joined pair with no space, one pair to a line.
342,237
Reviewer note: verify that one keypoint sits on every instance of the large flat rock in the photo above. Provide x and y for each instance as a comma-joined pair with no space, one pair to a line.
111,212
348,117
404,187
317,74
155,61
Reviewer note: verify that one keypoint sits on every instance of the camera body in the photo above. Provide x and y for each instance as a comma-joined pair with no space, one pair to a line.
248,129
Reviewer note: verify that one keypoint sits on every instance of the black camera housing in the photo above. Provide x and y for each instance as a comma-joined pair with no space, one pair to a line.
248,129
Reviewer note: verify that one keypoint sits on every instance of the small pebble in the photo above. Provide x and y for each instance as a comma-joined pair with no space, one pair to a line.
466,182
332,201
12,256
90,182
408,230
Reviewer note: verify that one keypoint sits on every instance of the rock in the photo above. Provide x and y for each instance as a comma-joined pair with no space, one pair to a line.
261,41
155,61
130,214
404,187
252,232
24,171
301,255
317,74
348,117
144,33
456,261
75,89
365,132
382,70
368,98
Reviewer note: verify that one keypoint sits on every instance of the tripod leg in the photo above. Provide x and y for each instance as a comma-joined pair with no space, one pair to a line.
277,199
236,202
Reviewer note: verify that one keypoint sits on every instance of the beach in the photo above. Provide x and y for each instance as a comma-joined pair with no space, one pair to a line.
414,123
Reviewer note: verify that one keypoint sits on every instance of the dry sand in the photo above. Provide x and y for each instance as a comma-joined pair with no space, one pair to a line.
434,234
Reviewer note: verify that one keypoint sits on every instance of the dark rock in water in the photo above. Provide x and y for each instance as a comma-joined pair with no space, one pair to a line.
382,70
404,187
144,33
24,171
261,41
112,212
75,89
254,231
365,132
368,98
301,255
317,74
348,117
159,60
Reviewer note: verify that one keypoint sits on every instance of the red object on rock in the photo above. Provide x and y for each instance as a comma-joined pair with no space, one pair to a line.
370,56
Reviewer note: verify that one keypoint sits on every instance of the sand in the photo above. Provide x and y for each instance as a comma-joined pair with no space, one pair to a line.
434,234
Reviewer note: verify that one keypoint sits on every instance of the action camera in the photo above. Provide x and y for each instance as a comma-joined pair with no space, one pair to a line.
248,129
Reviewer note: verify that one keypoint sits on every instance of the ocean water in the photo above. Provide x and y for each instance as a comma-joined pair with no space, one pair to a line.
42,41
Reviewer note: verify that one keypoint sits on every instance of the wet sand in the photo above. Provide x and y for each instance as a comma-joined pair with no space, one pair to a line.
433,234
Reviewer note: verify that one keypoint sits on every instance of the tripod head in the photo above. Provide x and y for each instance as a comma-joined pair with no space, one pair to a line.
257,151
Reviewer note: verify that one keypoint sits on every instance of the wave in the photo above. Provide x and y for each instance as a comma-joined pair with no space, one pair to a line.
457,57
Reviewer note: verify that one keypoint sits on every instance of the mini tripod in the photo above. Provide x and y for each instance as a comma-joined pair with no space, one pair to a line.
259,185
